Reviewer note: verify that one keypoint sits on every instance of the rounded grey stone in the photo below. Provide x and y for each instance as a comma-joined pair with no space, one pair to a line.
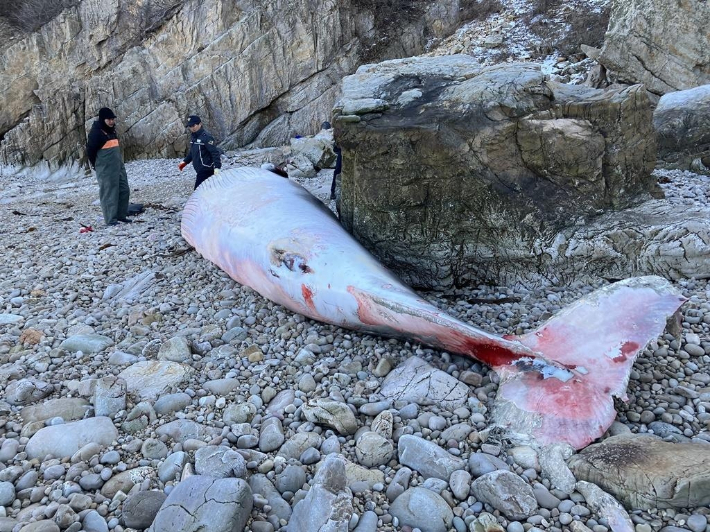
506,492
697,522
173,402
372,450
93,522
7,493
53,472
153,449
219,462
482,463
140,509
292,478
310,456
419,507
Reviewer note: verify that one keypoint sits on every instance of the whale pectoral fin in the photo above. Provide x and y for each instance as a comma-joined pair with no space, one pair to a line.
597,339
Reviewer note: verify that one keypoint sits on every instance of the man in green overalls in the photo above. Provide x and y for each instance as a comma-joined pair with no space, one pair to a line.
105,157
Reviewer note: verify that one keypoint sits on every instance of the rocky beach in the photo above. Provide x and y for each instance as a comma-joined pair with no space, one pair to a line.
142,387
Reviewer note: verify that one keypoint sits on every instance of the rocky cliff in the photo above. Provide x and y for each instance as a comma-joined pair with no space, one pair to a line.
664,44
256,71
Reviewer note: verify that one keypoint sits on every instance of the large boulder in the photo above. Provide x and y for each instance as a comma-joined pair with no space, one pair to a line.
663,44
682,122
454,172
646,472
154,63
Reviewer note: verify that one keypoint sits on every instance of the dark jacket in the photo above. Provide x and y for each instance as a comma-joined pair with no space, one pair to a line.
99,135
204,154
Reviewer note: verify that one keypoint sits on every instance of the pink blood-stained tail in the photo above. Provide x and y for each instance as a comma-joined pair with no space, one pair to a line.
598,338
557,383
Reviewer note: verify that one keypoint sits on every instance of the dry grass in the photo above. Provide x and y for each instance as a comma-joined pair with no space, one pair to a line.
392,15
479,9
563,28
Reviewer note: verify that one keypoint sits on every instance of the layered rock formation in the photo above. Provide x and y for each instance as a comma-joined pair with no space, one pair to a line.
256,71
452,172
664,44
682,122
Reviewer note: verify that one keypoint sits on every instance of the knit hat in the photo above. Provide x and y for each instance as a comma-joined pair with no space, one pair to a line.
193,120
105,113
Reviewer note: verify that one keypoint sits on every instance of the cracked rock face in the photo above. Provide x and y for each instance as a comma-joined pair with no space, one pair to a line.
660,44
204,503
417,381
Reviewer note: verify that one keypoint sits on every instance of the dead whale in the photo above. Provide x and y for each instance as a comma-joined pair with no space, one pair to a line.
557,382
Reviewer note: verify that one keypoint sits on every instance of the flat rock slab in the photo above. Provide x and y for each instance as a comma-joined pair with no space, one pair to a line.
150,379
68,408
428,458
204,503
415,380
646,472
10,319
183,429
86,343
62,441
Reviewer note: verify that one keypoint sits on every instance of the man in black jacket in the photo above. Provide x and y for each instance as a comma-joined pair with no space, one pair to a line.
105,158
204,155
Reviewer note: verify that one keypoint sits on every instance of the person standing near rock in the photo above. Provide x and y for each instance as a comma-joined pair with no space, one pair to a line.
335,184
204,155
105,158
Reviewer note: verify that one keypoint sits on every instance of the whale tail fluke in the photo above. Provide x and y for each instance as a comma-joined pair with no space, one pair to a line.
597,338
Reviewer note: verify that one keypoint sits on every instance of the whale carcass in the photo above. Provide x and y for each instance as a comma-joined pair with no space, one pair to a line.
557,383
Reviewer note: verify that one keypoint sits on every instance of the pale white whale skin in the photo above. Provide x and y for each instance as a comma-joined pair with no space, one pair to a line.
557,382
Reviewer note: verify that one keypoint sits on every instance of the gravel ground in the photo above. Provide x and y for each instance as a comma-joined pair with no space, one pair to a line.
71,325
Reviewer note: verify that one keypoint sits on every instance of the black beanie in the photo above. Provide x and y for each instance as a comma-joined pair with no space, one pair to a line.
105,113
